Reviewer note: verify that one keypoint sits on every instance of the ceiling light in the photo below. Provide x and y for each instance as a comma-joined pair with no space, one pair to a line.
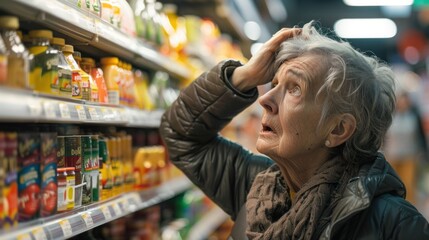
378,2
365,28
252,30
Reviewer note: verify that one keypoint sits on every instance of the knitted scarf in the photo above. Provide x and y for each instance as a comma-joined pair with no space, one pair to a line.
271,215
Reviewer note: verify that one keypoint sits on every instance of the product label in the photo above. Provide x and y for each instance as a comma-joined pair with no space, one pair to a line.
61,161
70,193
65,82
10,188
17,75
113,96
76,85
87,188
73,155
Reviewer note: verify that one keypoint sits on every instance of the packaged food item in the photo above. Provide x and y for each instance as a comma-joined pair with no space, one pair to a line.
107,11
17,62
71,194
28,176
61,160
112,77
117,166
128,162
117,14
77,84
73,156
86,169
95,168
143,99
86,77
89,89
48,168
62,190
9,190
64,70
44,75
106,171
88,65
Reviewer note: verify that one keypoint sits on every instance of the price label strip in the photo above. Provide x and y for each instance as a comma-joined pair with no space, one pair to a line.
117,210
64,110
106,212
66,227
49,109
88,220
93,114
81,112
39,234
24,236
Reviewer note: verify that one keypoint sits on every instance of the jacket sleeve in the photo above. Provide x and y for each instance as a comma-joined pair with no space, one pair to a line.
222,169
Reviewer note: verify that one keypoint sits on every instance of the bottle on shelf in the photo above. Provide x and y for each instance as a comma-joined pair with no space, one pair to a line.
88,65
143,99
76,83
17,61
64,70
44,75
111,76
90,89
107,11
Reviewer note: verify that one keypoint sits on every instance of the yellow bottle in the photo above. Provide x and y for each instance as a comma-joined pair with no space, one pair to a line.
44,75
143,100
64,70
110,69
76,72
90,89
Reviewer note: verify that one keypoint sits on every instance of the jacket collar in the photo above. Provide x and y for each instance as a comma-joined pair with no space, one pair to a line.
374,179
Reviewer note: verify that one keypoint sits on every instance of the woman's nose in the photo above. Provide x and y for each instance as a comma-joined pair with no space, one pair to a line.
268,102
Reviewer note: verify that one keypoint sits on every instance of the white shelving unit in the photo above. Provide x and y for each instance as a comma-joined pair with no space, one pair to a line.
26,106
65,225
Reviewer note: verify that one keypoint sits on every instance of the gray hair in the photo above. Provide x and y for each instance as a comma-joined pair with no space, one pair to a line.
354,83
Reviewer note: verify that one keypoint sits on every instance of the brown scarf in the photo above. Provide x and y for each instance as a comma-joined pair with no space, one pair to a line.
270,214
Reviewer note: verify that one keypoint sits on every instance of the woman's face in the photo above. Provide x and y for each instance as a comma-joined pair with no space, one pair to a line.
291,113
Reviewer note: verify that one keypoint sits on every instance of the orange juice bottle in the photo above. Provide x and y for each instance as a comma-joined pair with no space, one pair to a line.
14,57
44,75
88,65
110,69
87,82
121,83
76,72
64,70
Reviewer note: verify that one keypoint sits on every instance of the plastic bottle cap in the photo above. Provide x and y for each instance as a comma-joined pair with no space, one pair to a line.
26,38
9,22
58,41
88,60
68,49
41,34
109,61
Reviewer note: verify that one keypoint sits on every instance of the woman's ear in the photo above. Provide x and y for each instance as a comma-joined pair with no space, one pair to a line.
343,130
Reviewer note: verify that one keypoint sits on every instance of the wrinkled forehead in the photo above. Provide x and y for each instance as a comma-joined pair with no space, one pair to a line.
311,69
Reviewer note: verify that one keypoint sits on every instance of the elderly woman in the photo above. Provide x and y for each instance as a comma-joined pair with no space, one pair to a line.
324,119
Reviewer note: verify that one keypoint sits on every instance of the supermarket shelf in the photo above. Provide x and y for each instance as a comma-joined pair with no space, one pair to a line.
66,225
89,29
25,106
208,224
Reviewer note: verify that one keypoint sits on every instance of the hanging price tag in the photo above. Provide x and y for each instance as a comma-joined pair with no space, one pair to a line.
35,109
93,114
81,112
106,212
64,110
87,219
124,204
106,114
135,199
66,227
117,210
49,109
39,234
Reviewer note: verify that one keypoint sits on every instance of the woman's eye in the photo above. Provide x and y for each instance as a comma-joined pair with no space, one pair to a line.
295,91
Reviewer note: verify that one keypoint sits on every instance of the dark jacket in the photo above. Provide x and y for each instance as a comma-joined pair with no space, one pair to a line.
373,206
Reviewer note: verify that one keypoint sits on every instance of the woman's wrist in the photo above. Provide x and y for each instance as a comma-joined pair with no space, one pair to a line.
239,80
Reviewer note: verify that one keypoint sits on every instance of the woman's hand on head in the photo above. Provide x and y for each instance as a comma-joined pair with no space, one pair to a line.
260,68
